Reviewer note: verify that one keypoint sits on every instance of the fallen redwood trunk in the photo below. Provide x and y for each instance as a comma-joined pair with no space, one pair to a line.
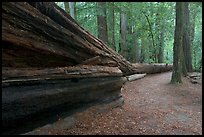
50,63
26,100
153,68
48,37
10,74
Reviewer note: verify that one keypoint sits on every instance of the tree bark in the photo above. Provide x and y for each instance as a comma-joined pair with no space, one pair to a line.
187,39
28,103
123,30
102,22
177,62
83,71
161,45
112,26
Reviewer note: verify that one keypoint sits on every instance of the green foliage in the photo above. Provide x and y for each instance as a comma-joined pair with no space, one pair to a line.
158,13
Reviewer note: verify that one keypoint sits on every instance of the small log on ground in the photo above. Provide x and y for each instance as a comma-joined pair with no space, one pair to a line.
135,77
194,75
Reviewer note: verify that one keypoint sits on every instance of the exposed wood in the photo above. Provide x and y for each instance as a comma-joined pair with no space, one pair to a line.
135,77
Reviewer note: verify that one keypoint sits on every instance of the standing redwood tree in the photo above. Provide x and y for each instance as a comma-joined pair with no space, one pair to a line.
161,36
112,26
161,44
123,30
187,38
177,62
102,22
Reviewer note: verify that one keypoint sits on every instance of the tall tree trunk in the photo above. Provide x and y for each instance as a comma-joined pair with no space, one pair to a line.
112,26
176,74
161,45
66,5
129,40
152,36
72,7
102,23
123,29
186,39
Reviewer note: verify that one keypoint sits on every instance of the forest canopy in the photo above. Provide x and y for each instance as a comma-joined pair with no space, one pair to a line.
142,32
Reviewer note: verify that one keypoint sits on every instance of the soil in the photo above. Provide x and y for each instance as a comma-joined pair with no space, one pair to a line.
152,106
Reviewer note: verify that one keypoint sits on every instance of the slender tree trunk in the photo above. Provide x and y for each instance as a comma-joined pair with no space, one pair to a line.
112,26
102,23
123,29
66,5
186,39
72,7
129,40
135,48
152,36
161,45
176,74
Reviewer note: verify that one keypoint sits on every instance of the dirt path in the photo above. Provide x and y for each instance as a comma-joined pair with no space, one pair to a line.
152,106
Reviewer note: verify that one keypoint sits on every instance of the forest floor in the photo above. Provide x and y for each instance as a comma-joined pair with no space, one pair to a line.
152,106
